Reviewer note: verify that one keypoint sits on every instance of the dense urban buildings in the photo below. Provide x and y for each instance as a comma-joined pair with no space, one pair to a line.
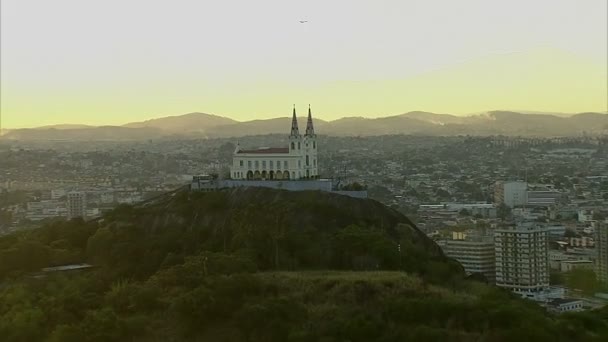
443,184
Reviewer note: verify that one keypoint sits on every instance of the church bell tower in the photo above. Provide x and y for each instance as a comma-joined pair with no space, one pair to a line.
310,149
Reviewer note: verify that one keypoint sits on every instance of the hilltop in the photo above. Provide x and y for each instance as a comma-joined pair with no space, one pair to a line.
187,123
258,264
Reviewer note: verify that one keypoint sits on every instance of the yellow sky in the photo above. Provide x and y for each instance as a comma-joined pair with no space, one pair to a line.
111,62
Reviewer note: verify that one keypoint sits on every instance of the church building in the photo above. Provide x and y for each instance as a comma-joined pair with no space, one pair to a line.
296,161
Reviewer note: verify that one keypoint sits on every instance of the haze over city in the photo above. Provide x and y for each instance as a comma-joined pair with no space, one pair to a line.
114,62
281,170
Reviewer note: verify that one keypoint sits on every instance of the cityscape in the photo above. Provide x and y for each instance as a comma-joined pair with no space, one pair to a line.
530,214
304,171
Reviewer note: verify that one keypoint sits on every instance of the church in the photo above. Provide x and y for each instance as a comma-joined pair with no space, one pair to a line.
295,162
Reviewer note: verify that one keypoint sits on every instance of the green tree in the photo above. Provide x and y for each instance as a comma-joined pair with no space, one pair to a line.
103,325
584,280
67,333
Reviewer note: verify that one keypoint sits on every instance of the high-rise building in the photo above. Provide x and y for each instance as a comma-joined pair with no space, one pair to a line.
512,193
522,260
601,246
76,204
476,256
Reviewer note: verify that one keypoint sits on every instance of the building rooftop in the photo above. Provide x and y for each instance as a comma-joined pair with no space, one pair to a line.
577,261
265,150
66,268
562,301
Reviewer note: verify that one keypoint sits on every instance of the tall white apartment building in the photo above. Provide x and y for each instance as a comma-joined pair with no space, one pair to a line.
76,204
522,260
601,246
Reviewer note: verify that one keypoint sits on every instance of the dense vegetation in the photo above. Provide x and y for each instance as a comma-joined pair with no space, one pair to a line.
252,265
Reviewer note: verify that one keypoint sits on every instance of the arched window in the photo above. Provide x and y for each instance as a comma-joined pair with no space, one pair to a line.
293,146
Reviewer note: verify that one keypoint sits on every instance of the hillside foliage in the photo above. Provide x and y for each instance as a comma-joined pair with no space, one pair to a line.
257,265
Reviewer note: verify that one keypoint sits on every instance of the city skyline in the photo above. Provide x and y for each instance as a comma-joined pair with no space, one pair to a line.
70,63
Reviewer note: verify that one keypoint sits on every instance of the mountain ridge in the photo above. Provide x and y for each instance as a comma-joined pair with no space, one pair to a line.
205,125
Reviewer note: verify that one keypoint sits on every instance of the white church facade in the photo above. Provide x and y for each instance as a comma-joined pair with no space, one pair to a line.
296,161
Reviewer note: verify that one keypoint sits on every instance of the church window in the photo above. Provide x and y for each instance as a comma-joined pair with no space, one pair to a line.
249,164
241,163
293,146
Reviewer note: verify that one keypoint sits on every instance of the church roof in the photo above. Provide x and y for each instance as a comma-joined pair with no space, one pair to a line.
265,150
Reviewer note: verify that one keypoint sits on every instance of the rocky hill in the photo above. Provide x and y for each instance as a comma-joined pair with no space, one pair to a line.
284,229
257,264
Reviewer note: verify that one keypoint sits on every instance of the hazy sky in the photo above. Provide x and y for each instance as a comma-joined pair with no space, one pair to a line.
114,61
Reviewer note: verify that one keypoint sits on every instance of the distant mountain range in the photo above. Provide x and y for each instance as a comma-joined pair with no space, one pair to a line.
203,125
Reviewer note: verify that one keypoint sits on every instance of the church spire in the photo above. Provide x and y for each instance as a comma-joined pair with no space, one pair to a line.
295,131
310,130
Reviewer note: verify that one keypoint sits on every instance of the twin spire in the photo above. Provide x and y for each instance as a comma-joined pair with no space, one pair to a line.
295,131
